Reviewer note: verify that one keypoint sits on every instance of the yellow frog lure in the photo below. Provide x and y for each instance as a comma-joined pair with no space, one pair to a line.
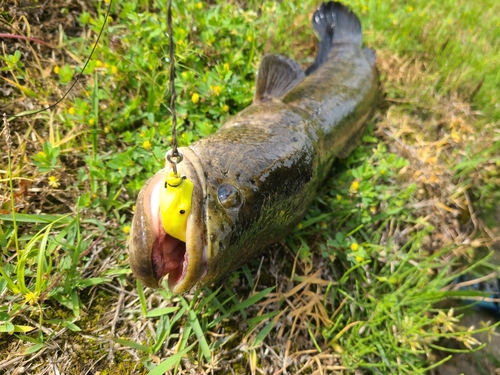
175,205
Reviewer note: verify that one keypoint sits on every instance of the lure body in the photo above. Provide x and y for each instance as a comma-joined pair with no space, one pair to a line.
175,205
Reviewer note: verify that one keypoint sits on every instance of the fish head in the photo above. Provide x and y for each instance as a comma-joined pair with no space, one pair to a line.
222,210
154,253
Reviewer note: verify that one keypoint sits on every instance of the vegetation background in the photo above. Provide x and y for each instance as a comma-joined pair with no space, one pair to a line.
372,279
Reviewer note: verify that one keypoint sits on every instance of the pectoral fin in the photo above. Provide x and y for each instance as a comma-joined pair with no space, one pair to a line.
277,75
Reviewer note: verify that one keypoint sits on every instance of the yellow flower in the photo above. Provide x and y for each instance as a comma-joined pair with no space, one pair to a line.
359,258
184,74
216,89
106,129
107,1
41,154
195,98
249,38
56,69
180,42
339,197
354,246
133,208
91,121
225,108
373,210
395,21
110,19
199,5
226,66
114,69
146,144
299,226
71,111
410,9
99,63
126,229
31,298
53,182
355,186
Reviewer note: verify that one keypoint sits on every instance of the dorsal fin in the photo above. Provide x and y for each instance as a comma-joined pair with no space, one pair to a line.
276,76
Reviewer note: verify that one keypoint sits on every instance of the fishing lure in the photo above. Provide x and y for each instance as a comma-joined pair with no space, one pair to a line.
175,205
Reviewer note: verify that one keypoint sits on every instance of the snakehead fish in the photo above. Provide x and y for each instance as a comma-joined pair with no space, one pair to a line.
254,179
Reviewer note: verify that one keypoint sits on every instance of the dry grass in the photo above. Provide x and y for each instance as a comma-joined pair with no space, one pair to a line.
434,135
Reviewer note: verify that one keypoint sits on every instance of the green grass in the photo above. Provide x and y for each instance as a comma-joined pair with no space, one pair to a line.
367,271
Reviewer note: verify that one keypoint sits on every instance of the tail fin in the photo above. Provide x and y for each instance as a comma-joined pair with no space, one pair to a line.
334,23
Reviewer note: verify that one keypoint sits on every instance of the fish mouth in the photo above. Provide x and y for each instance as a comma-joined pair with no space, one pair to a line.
155,254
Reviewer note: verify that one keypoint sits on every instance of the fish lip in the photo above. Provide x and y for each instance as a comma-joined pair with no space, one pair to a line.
151,257
195,264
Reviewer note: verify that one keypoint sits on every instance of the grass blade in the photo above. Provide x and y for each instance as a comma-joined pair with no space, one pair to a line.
172,361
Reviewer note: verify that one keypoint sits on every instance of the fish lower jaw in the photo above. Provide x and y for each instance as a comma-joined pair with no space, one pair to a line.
171,258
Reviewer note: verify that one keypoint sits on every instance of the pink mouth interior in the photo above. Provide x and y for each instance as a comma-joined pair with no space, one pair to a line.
169,257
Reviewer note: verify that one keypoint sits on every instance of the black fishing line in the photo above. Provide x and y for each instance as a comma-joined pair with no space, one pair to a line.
173,156
79,76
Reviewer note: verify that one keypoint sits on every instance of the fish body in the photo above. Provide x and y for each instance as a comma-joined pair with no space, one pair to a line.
254,179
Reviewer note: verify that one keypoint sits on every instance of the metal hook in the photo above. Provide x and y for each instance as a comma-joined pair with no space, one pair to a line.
178,158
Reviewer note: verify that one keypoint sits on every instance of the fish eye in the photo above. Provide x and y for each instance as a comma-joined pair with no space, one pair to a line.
182,212
229,196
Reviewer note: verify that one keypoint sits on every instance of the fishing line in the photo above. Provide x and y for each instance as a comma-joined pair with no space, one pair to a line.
79,76
173,156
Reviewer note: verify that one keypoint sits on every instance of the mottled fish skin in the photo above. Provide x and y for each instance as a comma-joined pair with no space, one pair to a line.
271,158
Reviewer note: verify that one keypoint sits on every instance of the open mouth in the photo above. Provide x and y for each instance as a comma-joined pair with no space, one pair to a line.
155,254
169,256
